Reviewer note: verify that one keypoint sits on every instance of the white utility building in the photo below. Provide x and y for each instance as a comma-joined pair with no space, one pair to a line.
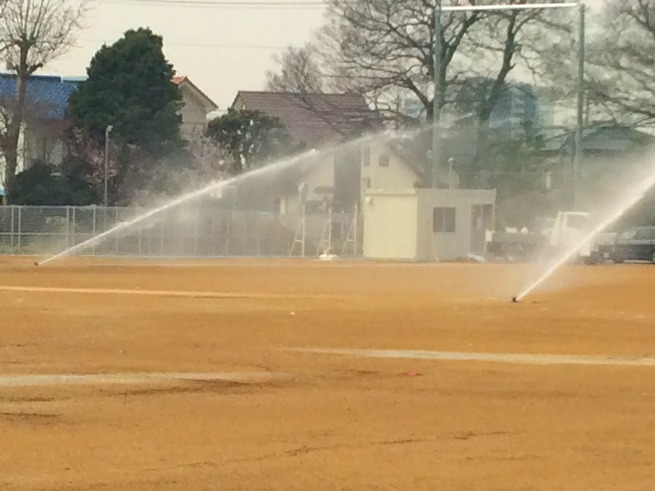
426,224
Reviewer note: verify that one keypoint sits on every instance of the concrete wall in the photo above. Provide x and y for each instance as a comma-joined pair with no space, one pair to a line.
390,225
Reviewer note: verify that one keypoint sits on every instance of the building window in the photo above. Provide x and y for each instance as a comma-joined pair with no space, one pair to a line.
384,160
366,156
443,220
366,182
277,205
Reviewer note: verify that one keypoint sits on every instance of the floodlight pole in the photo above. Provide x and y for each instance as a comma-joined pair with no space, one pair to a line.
436,103
580,89
523,6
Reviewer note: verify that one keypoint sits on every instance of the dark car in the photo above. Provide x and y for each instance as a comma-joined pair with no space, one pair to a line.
637,244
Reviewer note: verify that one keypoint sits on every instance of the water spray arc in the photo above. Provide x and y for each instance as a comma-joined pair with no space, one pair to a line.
219,185
625,204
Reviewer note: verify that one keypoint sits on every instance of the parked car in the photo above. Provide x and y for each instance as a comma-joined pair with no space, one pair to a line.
637,244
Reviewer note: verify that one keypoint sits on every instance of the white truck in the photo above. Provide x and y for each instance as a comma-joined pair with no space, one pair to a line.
549,238
571,228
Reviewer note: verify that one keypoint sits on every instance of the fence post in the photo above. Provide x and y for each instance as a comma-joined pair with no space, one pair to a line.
197,238
213,233
94,227
161,238
74,227
258,231
68,224
11,233
115,235
20,229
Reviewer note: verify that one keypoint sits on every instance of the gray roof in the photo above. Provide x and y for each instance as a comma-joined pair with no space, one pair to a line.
313,119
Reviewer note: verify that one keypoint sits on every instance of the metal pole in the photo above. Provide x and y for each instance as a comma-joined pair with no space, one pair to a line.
436,103
329,247
107,132
94,227
525,6
580,89
355,231
13,208
303,231
20,229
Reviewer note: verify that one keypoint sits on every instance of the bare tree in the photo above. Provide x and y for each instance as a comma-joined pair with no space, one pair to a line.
385,49
621,68
299,72
32,34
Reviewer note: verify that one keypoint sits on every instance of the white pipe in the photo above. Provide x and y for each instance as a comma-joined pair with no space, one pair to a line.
525,6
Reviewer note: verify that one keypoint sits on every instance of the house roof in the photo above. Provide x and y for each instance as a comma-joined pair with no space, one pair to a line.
184,81
607,138
313,119
47,96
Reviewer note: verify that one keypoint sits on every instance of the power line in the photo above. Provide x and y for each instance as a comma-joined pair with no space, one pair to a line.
199,45
227,4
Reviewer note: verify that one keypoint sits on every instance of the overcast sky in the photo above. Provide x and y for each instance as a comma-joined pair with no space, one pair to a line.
222,45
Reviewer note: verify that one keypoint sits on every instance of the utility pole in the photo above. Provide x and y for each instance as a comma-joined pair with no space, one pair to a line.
580,91
436,104
107,132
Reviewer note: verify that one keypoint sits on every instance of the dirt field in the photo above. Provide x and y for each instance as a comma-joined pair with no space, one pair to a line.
261,411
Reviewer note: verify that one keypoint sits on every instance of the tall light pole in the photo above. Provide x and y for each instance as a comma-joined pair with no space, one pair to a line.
107,132
580,91
436,103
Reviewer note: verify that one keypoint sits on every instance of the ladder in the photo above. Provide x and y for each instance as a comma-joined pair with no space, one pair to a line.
351,237
299,238
325,244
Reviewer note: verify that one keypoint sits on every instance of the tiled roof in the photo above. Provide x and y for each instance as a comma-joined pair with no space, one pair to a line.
313,119
47,96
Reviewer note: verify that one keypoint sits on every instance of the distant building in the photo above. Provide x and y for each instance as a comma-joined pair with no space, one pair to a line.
196,108
47,104
44,117
321,121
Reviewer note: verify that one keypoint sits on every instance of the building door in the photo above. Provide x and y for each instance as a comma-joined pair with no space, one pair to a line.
481,220
347,180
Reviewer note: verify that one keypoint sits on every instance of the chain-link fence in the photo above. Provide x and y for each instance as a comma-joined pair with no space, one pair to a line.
185,231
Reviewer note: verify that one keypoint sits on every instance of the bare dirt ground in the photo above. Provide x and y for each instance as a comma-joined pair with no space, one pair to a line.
297,420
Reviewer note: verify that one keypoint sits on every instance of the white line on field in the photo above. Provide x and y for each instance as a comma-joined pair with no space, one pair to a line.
159,293
513,358
130,378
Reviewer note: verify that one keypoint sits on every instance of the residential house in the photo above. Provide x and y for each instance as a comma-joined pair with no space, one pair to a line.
196,107
321,122
44,116
47,103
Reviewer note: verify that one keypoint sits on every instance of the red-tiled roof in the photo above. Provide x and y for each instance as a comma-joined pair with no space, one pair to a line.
313,119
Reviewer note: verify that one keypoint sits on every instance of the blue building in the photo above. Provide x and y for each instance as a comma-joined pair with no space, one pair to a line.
44,120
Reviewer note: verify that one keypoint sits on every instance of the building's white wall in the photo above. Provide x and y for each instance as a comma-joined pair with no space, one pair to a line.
449,245
399,224
390,225
193,113
398,175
